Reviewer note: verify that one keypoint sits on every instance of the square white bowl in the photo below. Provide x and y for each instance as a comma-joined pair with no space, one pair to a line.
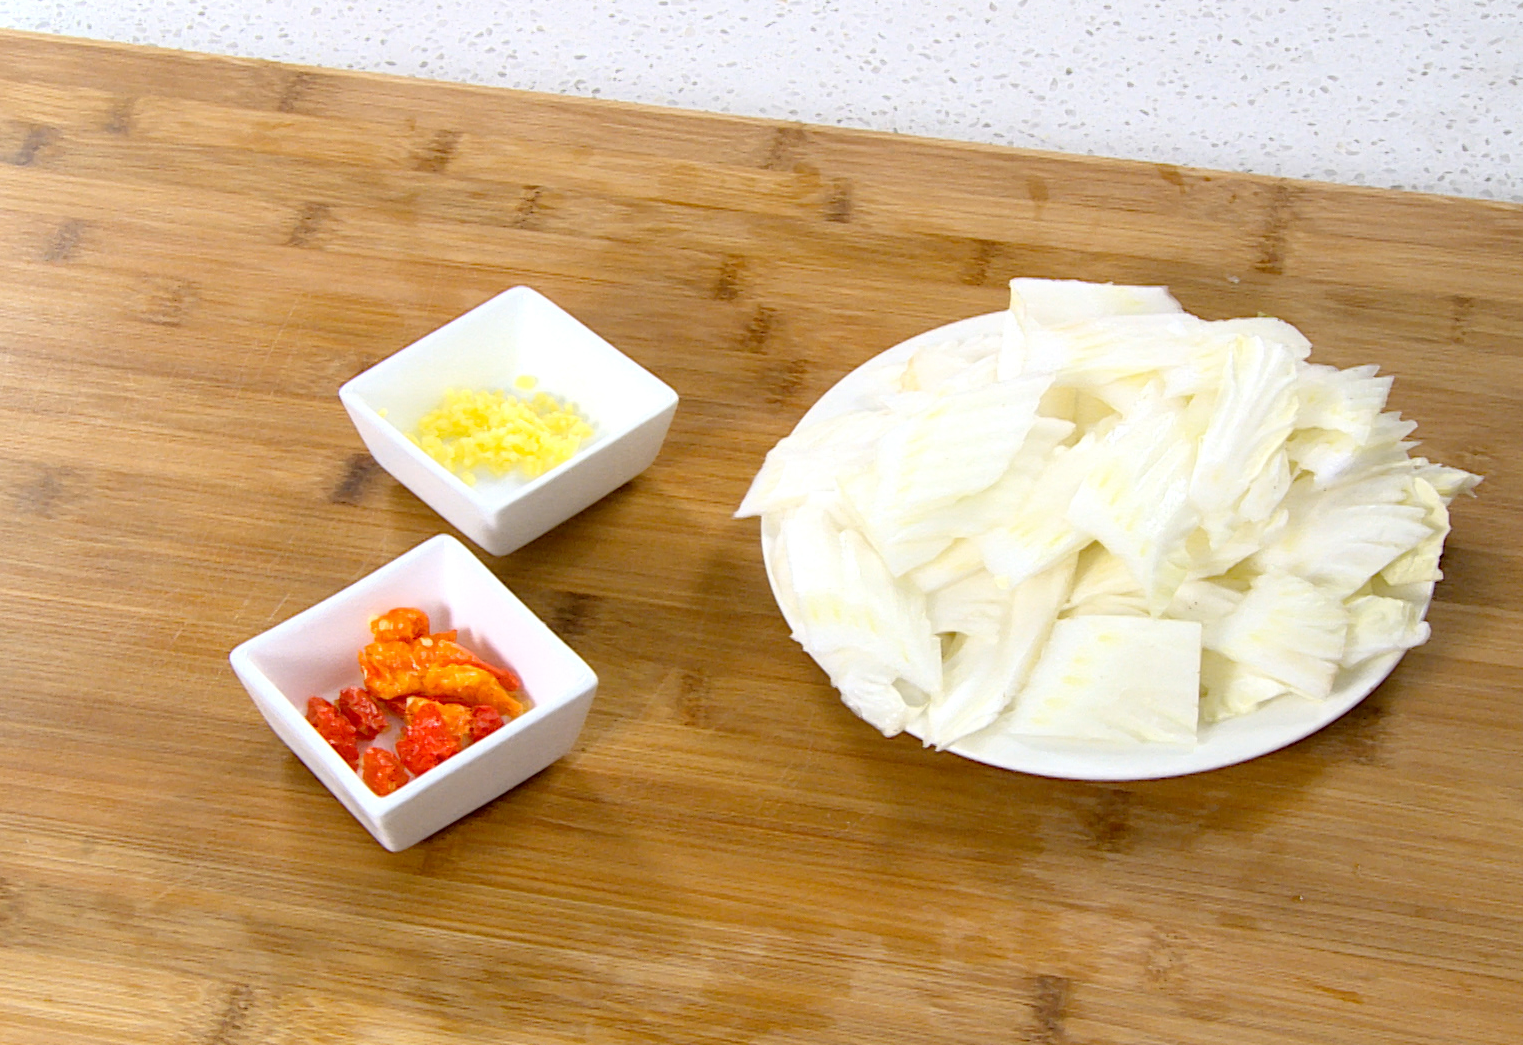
518,332
315,654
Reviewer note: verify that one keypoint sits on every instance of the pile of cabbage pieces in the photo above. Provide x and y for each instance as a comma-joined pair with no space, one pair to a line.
1111,521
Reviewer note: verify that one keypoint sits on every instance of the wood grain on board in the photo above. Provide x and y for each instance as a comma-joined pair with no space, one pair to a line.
196,252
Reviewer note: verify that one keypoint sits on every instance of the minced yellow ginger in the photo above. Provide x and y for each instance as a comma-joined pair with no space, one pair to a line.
529,434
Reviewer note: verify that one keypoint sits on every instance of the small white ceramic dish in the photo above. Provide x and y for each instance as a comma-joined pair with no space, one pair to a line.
314,654
518,332
1275,725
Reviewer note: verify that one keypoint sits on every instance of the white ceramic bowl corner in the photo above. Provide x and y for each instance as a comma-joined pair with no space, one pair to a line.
518,332
314,654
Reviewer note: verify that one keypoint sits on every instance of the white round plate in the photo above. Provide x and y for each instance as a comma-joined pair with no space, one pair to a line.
1275,725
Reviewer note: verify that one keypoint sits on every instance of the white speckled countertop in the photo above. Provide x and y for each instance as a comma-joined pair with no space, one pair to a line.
1396,93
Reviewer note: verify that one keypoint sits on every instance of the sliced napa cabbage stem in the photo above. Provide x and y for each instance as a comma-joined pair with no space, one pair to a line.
1229,689
1346,401
922,467
1116,680
1038,535
809,461
1379,625
1252,416
978,512
1419,564
984,673
1287,629
1331,456
973,607
1135,498
1099,575
865,630
1340,537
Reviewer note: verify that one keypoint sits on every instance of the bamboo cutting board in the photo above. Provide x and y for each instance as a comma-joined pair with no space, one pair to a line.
196,252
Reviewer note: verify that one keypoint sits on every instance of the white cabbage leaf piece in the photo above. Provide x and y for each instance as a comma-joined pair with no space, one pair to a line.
1202,372
810,461
1120,680
1203,601
865,630
1228,537
1053,302
1096,352
1379,625
960,560
1037,305
950,366
1103,585
1229,689
1449,482
1038,534
1252,416
1184,354
1346,401
1332,457
1287,629
981,511
958,445
1267,490
1135,499
1419,564
974,606
983,673
1340,537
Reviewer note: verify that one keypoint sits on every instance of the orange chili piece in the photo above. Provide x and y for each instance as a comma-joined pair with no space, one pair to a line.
426,741
334,728
363,713
382,771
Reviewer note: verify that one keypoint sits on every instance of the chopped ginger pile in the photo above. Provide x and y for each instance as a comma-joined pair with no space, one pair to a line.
529,434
